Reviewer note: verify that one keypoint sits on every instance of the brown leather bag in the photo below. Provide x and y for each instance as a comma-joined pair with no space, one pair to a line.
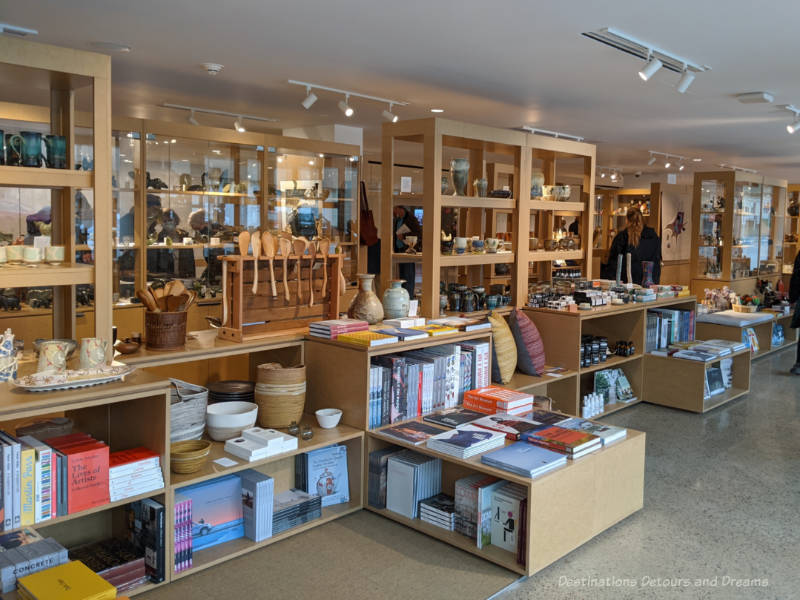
367,230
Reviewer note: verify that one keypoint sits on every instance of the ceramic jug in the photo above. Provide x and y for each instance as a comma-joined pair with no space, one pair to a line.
468,301
395,300
365,305
93,352
53,356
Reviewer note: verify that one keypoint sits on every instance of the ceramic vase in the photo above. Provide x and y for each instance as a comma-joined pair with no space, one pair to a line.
459,170
461,245
442,303
481,187
366,306
468,301
537,183
395,300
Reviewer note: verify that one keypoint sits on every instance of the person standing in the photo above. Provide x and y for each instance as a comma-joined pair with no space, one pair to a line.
405,223
794,297
644,245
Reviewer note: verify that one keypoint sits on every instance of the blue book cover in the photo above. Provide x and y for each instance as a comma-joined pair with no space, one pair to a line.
326,475
216,511
522,457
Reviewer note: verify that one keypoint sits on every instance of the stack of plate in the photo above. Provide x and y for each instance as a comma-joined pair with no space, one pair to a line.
231,391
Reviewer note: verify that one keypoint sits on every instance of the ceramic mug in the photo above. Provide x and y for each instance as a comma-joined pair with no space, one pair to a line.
56,151
461,245
54,254
477,246
53,356
93,352
533,243
32,254
492,245
12,154
15,253
28,146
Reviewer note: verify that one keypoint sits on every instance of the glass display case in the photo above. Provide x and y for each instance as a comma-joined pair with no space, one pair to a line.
746,229
710,239
791,229
770,250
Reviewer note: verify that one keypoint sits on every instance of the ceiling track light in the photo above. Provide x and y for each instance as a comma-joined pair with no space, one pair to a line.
389,115
16,30
191,118
652,160
555,134
238,125
656,57
795,124
344,105
735,168
681,166
224,113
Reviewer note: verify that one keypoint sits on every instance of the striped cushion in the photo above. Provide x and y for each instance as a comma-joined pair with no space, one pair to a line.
530,348
504,351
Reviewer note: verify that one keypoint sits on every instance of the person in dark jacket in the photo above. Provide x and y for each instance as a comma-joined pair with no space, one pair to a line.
794,297
644,245
405,223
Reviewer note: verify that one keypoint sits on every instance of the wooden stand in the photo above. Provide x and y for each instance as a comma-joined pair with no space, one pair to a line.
252,316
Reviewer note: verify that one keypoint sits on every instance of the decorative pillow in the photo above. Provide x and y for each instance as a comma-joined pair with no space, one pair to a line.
504,351
530,348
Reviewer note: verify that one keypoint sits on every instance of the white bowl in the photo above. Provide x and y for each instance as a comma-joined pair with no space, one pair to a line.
227,419
328,418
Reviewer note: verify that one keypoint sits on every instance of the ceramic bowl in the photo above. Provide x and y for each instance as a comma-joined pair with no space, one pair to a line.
15,253
225,420
54,254
126,346
328,418
32,255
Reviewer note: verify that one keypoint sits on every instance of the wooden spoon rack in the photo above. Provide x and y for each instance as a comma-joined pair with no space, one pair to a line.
259,315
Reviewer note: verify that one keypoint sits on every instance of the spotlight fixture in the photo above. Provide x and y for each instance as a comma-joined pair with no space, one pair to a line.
650,69
755,98
555,134
652,160
697,160
17,30
345,107
681,166
191,118
309,100
238,126
437,110
613,176
602,174
685,81
667,164
655,57
210,111
795,124
389,116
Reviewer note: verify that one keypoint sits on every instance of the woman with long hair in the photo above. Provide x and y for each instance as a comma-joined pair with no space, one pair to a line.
643,244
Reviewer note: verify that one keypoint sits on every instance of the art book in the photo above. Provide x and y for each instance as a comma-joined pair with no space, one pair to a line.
324,472
453,417
608,433
412,432
510,425
560,439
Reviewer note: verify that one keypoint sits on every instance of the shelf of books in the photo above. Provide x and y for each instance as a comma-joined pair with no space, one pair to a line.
509,502
766,331
606,346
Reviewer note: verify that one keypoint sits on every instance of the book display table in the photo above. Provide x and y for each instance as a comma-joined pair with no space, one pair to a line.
730,325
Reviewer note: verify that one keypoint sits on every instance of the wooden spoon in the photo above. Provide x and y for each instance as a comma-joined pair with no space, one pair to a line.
286,249
255,242
299,245
177,288
312,252
268,246
244,245
342,280
324,247
175,302
148,300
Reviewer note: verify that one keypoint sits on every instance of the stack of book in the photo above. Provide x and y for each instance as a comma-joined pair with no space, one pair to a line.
434,330
473,504
464,323
438,510
146,532
453,417
524,459
216,510
133,472
331,329
367,338
494,399
667,326
116,561
256,443
182,535
25,552
76,455
412,432
411,477
403,334
257,504
376,484
466,441
513,427
69,581
509,504
607,433
573,444
405,322
324,472
294,507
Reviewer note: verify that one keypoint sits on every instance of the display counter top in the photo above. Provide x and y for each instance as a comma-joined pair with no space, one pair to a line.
611,309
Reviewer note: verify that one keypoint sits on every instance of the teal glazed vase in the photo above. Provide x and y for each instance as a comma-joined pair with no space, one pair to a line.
396,301
459,171
28,145
56,151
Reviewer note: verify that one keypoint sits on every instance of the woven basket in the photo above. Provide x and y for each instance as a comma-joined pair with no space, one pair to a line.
187,411
280,394
188,456
744,308
165,330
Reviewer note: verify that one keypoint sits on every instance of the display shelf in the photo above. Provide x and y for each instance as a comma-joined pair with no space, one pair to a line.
557,206
763,331
730,394
399,257
549,255
208,557
500,310
479,202
490,553
447,338
44,275
322,437
32,177
202,193
465,260
615,407
531,383
611,362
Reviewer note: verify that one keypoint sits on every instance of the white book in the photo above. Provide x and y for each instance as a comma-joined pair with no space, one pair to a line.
267,437
400,492
506,516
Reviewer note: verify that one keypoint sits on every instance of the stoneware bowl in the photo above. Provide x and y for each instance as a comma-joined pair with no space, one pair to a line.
328,418
225,420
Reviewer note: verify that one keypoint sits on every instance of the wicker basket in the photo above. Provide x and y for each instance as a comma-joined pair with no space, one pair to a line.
165,330
187,411
189,456
280,394
744,308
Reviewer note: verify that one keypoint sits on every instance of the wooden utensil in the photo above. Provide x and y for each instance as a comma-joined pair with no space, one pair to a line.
255,242
224,293
177,288
244,242
342,280
286,249
299,245
175,302
268,247
312,253
324,247
189,298
148,300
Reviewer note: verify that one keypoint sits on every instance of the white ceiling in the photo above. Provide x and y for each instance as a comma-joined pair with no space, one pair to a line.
504,63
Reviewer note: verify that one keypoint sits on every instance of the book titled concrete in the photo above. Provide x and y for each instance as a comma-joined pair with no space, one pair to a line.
257,497
29,558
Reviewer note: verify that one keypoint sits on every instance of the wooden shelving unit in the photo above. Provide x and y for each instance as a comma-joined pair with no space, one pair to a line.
763,332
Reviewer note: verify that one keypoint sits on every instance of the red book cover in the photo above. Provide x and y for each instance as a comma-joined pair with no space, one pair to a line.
71,438
124,457
555,437
87,472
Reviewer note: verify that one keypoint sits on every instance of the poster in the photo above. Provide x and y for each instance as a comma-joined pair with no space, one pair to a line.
676,228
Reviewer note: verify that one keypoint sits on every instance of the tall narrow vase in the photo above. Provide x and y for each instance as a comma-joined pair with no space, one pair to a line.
459,170
366,306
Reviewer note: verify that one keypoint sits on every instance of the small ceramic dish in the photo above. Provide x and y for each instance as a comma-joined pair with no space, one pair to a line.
328,418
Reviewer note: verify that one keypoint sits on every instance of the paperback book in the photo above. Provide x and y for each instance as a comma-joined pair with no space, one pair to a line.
453,417
466,441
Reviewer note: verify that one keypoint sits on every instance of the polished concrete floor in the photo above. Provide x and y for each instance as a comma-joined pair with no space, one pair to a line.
721,505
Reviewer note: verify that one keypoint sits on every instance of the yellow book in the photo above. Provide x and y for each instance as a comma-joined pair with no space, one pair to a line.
434,330
27,485
366,338
70,581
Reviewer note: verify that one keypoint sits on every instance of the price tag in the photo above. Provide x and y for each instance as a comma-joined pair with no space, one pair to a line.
405,185
413,306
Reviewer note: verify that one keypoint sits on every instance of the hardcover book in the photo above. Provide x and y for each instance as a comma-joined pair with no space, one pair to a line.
453,417
412,432
147,528
563,440
324,472
608,433
216,511
510,425
257,498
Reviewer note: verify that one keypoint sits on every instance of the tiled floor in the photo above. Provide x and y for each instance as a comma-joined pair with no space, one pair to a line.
721,505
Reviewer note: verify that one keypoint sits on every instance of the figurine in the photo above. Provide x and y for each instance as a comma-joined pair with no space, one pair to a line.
9,300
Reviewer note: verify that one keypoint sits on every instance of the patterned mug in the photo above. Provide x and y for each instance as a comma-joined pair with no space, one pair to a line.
93,352
53,356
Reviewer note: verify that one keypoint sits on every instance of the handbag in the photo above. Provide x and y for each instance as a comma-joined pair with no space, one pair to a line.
366,224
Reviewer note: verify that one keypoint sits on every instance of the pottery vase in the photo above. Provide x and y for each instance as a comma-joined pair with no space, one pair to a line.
468,301
537,183
366,306
395,300
459,170
442,303
461,245
481,187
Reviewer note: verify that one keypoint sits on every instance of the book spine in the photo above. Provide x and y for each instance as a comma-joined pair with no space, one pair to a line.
386,395
38,487
8,487
27,486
